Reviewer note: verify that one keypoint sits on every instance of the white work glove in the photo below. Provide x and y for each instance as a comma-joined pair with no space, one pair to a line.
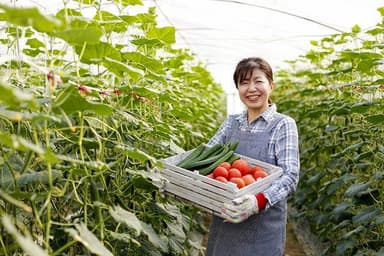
240,209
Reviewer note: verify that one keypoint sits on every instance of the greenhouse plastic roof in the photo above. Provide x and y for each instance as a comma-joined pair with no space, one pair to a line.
221,32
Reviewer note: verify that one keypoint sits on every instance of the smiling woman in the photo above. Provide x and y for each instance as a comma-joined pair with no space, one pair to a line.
254,81
269,136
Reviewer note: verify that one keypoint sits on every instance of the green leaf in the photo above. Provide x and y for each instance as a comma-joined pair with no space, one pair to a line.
352,232
154,238
37,178
68,13
129,2
16,199
110,22
35,43
88,239
125,237
87,1
375,119
90,35
381,10
19,143
140,182
356,29
366,65
13,97
146,91
362,107
32,52
95,53
379,220
135,153
356,188
26,242
30,17
353,147
70,101
153,43
334,186
145,62
342,207
122,216
366,215
122,70
331,128
164,34
340,111
343,246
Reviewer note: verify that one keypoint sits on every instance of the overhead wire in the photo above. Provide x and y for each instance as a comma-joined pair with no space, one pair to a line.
282,12
242,3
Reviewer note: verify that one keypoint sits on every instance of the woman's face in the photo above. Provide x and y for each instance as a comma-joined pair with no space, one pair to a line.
254,91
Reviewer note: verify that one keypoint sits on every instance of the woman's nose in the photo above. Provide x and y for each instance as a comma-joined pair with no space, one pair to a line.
252,86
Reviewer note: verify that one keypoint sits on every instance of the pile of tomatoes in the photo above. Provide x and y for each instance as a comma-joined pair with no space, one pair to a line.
239,172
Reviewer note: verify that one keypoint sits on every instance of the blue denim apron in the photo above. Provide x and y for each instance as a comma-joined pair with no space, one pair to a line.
261,234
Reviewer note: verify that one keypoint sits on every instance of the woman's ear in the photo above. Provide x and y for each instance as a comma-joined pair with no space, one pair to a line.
272,86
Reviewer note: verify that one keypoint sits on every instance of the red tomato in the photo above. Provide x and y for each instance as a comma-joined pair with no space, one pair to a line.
226,165
259,174
222,179
234,173
210,175
242,165
220,171
248,179
238,181
255,168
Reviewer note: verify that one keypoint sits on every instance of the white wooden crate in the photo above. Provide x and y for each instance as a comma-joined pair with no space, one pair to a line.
207,193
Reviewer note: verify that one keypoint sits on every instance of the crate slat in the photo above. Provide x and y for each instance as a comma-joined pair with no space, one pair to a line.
198,186
207,193
196,198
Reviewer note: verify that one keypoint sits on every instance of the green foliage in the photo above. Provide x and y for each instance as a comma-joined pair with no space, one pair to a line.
88,105
335,93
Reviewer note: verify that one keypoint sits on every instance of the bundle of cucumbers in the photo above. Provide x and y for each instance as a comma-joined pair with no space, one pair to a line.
205,159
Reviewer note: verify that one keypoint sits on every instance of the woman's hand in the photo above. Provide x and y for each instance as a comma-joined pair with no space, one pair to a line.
243,207
240,209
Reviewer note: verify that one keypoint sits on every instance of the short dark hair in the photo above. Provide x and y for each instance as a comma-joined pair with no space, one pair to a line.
246,66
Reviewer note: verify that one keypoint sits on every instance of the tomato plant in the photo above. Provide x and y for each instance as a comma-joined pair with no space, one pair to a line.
335,93
88,103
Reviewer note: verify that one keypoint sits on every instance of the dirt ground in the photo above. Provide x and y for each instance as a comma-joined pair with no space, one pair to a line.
293,246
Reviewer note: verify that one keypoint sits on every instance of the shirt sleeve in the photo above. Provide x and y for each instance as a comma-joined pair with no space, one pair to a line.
287,155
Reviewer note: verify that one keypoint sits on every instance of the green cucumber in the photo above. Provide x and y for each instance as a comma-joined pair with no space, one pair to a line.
234,145
195,153
209,151
209,160
207,170
233,158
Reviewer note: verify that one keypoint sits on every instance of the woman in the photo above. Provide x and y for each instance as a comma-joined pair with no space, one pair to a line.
256,224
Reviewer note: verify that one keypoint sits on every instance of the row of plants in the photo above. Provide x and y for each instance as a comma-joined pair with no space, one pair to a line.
91,97
335,92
